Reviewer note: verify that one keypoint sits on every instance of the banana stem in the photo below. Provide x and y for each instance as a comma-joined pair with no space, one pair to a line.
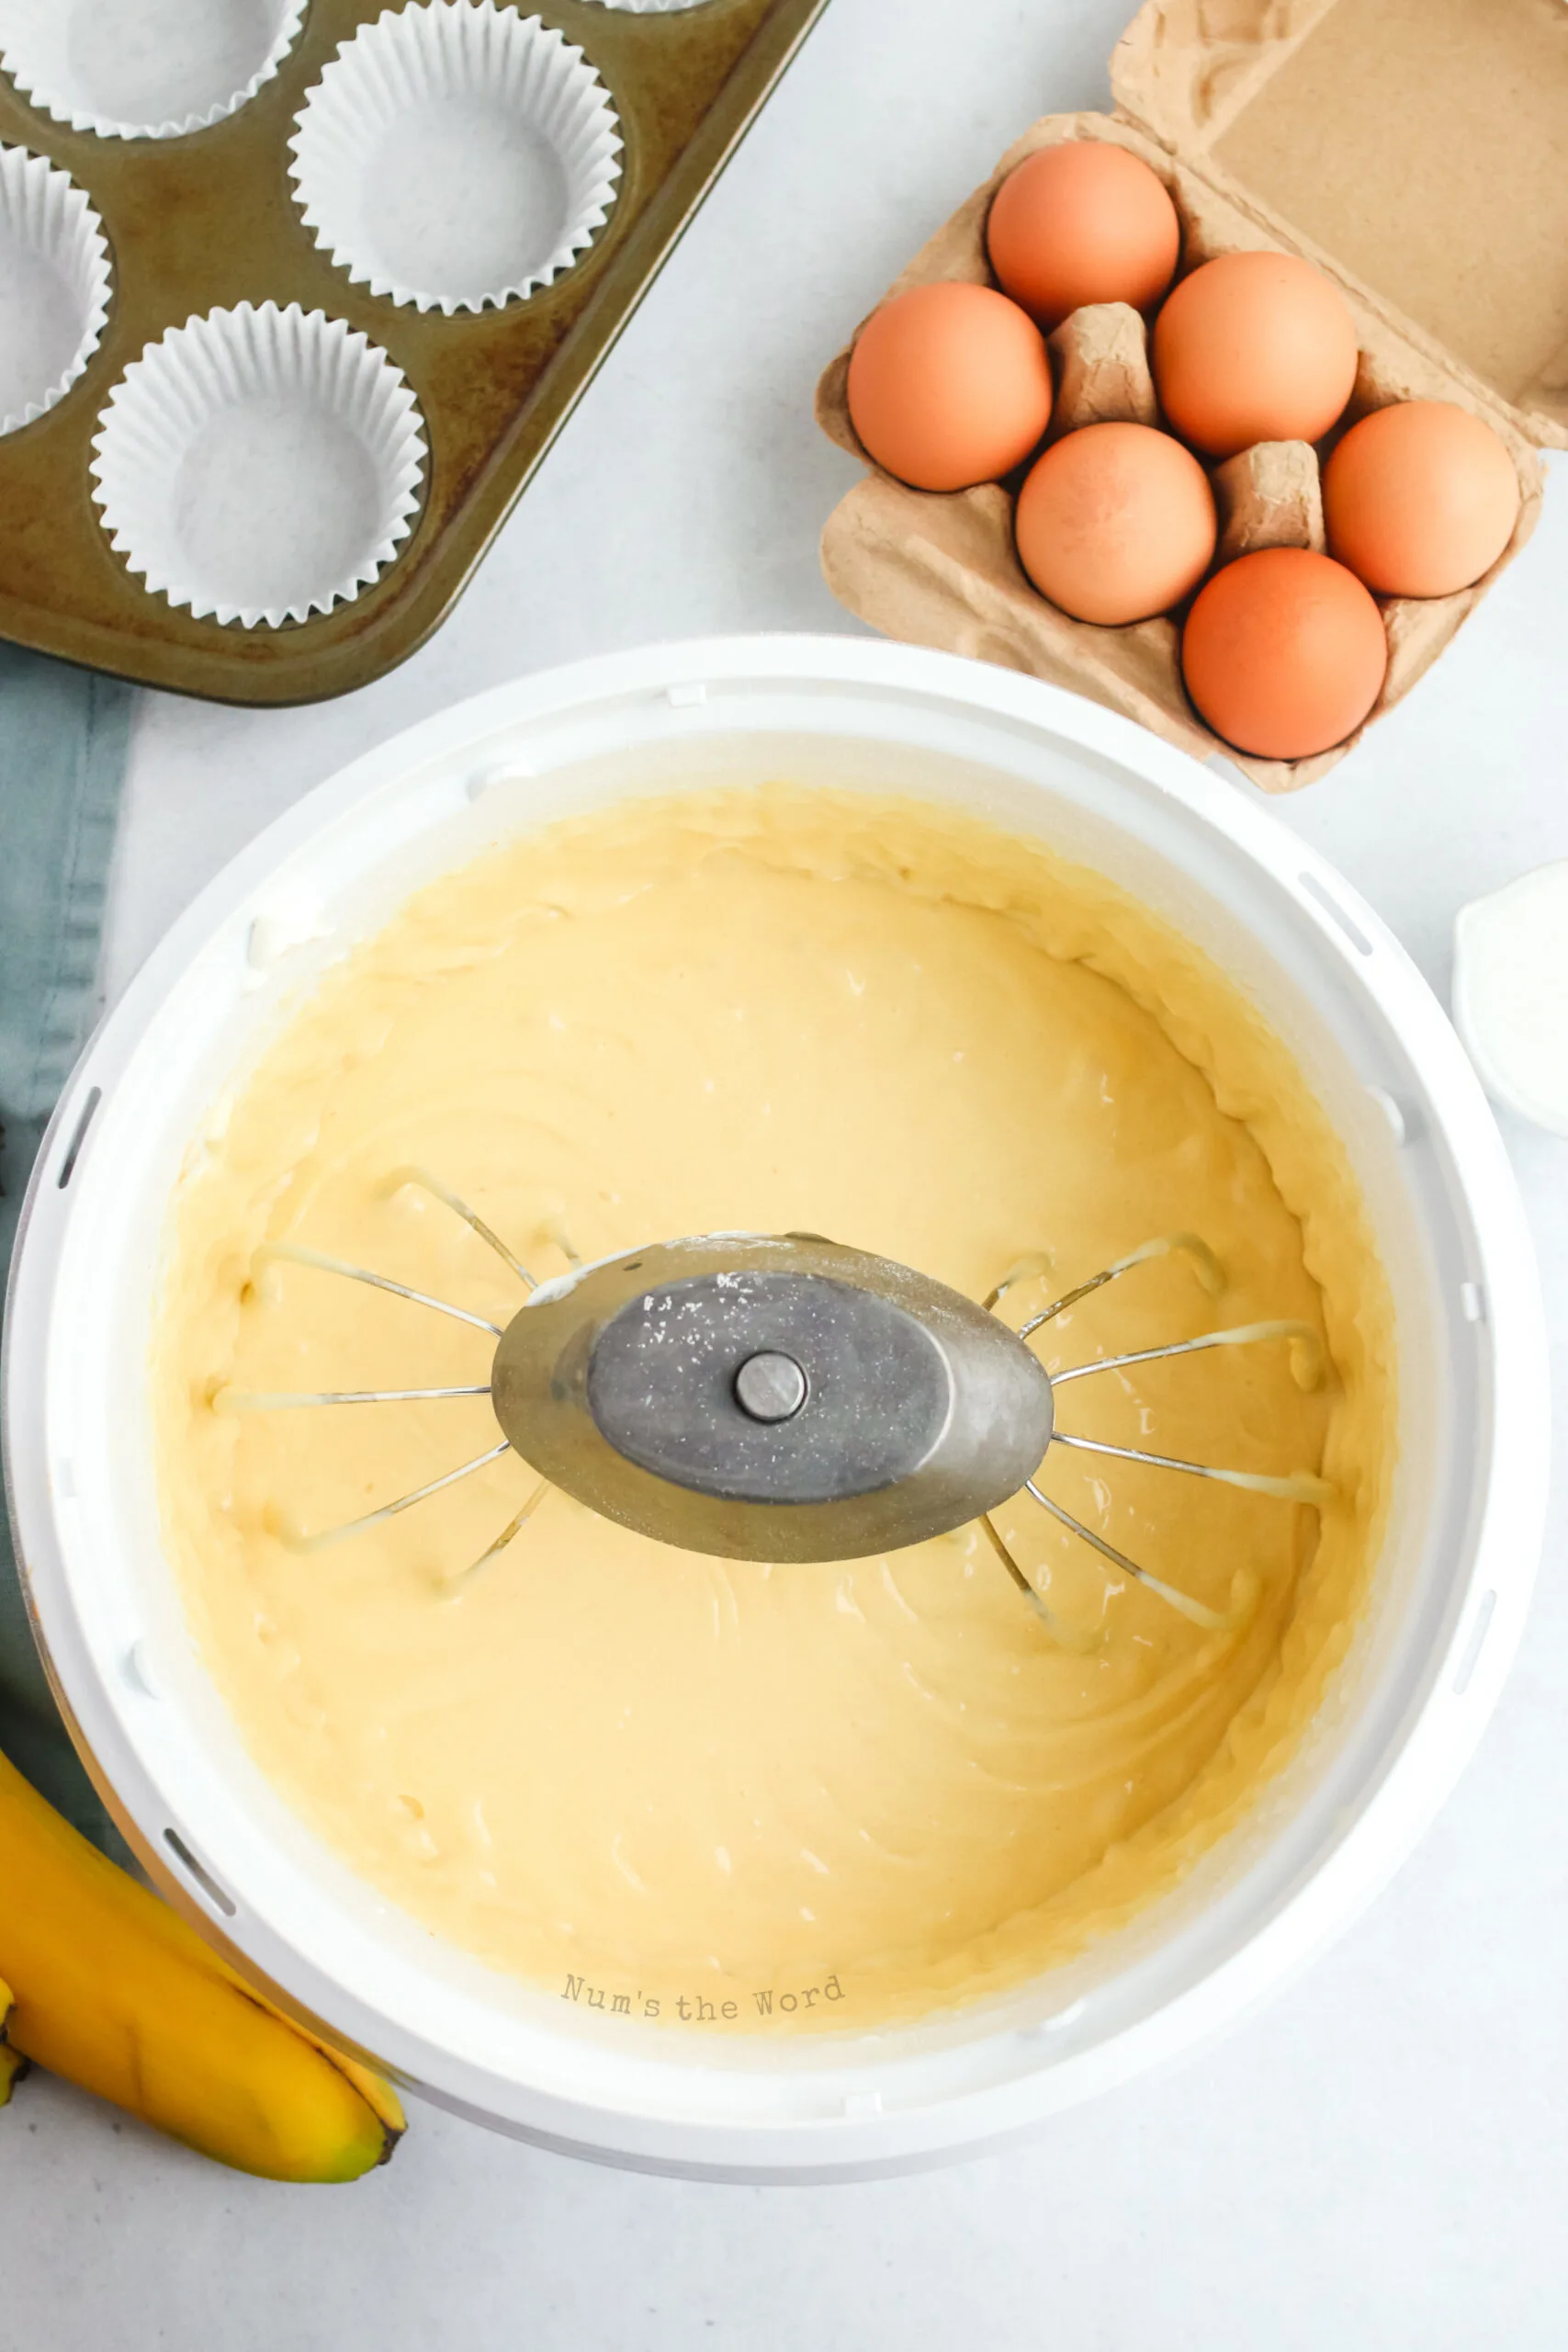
13,2065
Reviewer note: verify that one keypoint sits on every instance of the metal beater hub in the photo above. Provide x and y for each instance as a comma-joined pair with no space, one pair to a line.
770,1388
785,1399
772,1400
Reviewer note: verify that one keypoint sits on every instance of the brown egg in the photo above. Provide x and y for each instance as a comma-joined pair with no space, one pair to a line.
1116,523
1284,653
950,385
1254,347
1420,499
1083,222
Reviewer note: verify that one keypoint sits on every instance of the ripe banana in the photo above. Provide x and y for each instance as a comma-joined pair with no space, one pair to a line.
11,2062
110,1988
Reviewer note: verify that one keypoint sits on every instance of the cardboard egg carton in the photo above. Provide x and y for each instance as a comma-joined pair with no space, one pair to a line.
1412,151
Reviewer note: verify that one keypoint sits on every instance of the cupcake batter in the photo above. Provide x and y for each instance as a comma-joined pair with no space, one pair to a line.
682,1789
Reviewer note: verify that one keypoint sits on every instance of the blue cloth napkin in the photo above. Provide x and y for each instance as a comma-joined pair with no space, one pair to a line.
63,737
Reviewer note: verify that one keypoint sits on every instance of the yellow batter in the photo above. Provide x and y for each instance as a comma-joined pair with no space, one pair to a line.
725,1796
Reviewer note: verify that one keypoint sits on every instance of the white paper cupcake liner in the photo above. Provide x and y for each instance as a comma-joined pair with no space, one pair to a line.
259,465
454,157
54,285
144,69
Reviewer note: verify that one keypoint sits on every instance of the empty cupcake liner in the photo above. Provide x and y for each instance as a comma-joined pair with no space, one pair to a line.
144,69
454,157
259,465
54,285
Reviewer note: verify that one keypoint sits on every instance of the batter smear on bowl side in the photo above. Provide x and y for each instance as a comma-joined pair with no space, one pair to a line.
755,1797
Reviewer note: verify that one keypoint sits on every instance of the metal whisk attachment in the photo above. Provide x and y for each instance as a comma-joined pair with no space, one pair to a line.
783,1398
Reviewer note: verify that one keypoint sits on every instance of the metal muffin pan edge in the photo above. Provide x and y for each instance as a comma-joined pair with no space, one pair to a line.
212,222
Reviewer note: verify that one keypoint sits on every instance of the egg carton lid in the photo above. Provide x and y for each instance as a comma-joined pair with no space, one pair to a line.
1417,150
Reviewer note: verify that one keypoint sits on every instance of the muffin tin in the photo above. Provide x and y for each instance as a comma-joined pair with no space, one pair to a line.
299,296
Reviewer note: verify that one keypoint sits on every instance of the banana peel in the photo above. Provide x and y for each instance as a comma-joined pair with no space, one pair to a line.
109,1988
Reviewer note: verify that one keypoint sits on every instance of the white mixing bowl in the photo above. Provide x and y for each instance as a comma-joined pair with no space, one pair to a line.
1451,1585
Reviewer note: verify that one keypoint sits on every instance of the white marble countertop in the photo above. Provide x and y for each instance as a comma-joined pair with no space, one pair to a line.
1379,2158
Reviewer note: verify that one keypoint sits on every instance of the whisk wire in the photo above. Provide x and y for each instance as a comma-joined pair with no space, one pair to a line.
1198,1612
1065,1636
262,1400
513,1527
294,1541
1207,1267
1023,1270
1299,1487
1301,1335
295,1254
426,1182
